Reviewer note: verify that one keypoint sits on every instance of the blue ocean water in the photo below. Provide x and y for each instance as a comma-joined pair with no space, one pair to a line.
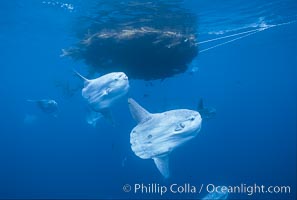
251,82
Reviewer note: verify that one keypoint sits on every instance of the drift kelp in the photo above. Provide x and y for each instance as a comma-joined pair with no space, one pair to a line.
145,39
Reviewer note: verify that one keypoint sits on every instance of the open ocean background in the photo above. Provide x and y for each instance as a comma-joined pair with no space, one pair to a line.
251,82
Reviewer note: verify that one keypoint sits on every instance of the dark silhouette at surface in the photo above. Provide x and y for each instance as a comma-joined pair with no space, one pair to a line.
145,39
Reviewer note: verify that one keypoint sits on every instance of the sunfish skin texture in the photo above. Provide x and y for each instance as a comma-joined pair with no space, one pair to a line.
157,135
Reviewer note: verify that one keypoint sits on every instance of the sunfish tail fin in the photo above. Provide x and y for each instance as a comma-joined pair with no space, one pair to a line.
93,117
86,81
138,113
162,163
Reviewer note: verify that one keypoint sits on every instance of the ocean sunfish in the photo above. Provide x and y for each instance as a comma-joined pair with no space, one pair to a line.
158,134
48,106
101,93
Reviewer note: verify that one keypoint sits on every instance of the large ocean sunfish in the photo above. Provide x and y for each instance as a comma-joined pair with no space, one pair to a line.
158,134
101,93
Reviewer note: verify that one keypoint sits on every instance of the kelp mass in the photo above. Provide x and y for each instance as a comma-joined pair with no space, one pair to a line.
145,39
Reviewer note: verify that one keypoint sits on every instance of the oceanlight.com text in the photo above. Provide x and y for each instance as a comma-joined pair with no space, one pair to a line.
187,188
249,189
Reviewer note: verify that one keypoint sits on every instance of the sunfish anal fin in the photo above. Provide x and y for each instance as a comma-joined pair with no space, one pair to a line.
93,117
106,92
138,113
162,164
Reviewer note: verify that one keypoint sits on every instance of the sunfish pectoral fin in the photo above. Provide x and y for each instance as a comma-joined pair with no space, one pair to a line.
138,113
86,81
162,164
106,92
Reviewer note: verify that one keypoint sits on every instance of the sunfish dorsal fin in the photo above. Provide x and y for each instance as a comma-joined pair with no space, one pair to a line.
138,113
205,112
86,81
162,164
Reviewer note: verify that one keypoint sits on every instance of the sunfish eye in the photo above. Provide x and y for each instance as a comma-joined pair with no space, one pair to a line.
192,118
118,78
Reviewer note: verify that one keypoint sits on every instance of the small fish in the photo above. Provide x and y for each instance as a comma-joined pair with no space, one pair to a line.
145,95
